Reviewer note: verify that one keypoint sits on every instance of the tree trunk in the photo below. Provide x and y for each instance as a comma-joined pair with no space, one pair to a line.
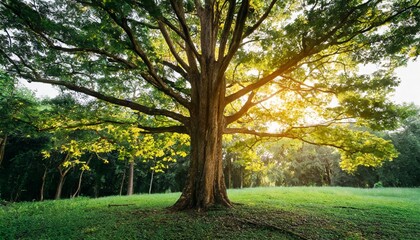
79,185
59,187
328,174
123,179
44,177
96,189
130,186
2,147
229,172
205,186
22,181
241,177
151,182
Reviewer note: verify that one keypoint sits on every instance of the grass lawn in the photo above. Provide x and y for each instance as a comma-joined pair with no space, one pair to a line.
260,213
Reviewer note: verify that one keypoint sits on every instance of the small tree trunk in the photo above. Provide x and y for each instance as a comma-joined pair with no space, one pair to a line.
96,189
130,186
2,147
77,192
241,174
59,187
229,172
122,181
44,177
151,182
22,181
62,177
328,174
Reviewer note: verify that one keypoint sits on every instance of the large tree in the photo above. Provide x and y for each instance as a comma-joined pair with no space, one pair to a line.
213,67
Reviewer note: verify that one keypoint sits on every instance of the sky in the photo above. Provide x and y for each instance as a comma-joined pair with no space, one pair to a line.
408,91
409,88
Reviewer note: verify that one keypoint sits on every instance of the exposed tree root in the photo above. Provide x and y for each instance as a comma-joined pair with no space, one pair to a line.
346,207
266,225
120,205
185,205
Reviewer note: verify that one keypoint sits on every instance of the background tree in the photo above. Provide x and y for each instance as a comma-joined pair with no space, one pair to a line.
88,139
18,108
21,143
282,163
403,170
138,148
213,67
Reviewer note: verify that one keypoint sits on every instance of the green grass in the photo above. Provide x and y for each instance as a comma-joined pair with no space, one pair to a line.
260,213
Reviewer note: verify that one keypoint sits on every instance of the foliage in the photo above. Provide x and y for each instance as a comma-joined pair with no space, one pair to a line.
18,106
20,142
299,56
403,171
132,144
378,185
69,139
400,172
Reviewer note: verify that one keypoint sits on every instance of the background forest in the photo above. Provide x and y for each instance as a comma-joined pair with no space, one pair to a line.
103,158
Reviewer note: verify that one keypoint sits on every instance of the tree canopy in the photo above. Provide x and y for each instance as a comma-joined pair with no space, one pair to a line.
285,69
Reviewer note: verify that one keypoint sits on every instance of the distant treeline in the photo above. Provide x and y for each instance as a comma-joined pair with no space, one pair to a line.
25,175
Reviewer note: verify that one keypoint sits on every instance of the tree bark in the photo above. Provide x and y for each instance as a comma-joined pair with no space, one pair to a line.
130,186
205,186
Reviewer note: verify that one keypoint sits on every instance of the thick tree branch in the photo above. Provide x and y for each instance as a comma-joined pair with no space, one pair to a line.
248,105
177,6
146,129
35,77
172,47
172,129
254,27
237,34
84,125
266,79
314,48
255,133
287,134
176,68
226,28
242,111
50,42
113,100
122,22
